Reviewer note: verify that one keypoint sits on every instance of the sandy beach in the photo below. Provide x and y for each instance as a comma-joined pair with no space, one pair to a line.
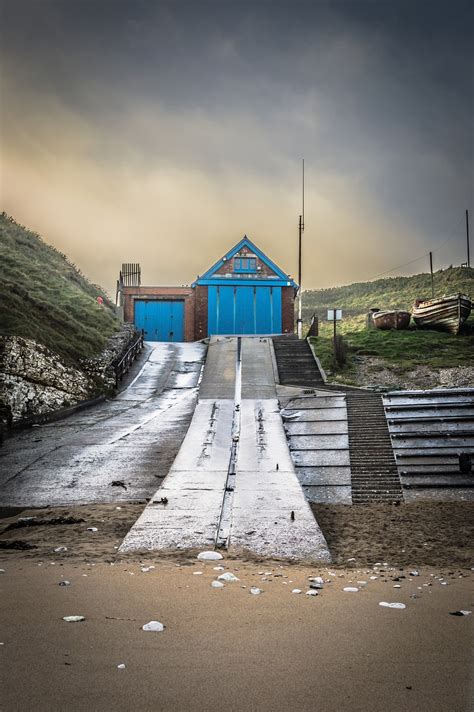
228,648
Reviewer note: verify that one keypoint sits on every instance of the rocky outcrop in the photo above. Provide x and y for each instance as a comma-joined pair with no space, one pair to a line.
101,368
35,380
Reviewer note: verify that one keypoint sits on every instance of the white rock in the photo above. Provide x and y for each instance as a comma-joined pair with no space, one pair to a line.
92,529
296,590
227,577
350,589
64,583
218,568
255,590
210,556
396,585
311,592
2,571
466,613
153,627
74,619
197,573
217,584
391,605
414,573
121,666
362,583
60,548
373,578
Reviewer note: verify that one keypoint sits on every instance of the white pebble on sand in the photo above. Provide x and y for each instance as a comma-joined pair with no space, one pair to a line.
74,619
227,577
217,584
384,604
255,591
153,627
209,556
350,589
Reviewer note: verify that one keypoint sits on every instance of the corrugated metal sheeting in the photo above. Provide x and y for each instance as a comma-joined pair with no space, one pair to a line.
432,435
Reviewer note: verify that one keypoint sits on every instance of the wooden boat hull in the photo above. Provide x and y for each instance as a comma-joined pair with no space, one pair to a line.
445,313
391,319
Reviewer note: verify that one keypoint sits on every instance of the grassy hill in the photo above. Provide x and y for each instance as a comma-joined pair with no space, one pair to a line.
396,350
44,297
388,293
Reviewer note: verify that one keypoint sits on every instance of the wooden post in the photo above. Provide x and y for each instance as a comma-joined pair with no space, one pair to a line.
431,270
467,238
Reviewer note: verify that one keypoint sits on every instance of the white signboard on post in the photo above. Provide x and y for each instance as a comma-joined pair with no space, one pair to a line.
334,314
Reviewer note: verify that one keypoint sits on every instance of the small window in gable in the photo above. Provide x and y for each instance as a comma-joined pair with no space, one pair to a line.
245,264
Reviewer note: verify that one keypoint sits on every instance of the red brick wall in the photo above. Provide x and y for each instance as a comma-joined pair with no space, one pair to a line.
200,312
185,294
288,310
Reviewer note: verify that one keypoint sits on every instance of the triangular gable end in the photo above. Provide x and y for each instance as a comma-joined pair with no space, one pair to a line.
245,242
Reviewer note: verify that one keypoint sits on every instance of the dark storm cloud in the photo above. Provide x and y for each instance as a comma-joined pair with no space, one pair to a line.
225,97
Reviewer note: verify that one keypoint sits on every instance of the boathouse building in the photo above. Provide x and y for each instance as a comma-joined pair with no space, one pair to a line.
242,293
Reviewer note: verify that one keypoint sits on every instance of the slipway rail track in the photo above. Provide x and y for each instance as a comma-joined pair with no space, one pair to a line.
233,484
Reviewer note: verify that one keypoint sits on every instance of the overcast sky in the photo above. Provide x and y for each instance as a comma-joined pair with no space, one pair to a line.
161,132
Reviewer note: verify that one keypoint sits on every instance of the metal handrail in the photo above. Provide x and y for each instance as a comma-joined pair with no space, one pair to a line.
122,366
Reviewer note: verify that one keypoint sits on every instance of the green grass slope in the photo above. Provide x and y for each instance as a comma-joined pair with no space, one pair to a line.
44,297
388,293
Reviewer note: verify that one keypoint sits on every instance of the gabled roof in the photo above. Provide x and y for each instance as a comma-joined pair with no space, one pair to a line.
246,242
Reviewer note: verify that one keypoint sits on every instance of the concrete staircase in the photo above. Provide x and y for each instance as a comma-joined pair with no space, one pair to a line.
296,364
374,474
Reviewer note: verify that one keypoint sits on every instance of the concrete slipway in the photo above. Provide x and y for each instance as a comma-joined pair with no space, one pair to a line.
233,483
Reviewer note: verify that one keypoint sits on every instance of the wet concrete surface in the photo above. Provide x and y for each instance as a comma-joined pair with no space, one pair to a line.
131,440
253,503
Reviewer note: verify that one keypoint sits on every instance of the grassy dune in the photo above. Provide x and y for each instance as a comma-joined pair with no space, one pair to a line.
44,297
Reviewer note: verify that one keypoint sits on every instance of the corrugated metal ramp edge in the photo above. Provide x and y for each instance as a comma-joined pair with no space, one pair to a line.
429,431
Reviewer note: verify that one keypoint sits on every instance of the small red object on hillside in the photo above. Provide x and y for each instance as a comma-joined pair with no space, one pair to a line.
100,300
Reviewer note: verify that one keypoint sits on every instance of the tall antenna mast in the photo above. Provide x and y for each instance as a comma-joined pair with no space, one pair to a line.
300,234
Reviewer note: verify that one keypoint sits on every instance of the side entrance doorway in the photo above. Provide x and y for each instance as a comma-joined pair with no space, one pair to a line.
160,320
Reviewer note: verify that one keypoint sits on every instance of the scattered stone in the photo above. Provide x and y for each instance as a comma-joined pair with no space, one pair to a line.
153,627
218,568
460,613
197,573
59,549
209,556
311,592
227,577
391,605
414,573
64,583
217,584
350,589
296,590
121,666
255,591
92,529
74,619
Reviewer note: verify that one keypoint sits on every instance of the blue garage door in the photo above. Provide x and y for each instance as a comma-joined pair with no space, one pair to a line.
160,320
244,310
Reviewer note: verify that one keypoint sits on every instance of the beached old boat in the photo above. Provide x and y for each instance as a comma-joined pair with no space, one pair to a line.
391,319
446,313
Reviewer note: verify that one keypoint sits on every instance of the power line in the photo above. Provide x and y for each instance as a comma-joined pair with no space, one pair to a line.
417,259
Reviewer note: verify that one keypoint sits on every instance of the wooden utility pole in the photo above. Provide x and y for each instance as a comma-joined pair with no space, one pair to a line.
300,293
431,270
467,238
